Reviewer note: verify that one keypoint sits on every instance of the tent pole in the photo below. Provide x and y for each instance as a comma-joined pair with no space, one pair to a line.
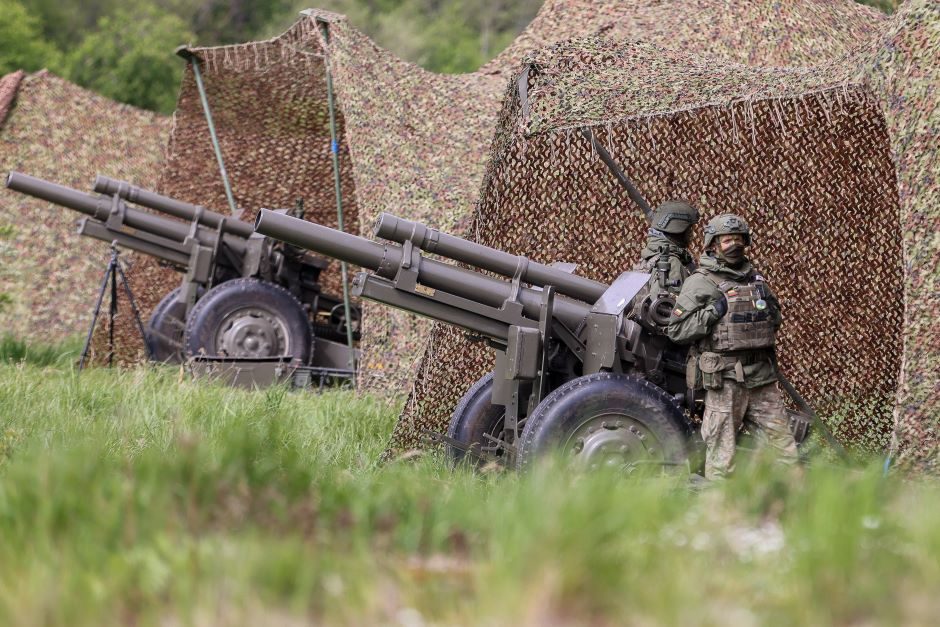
193,60
334,150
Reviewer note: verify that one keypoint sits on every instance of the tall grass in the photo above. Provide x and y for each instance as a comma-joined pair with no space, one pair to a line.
16,350
138,497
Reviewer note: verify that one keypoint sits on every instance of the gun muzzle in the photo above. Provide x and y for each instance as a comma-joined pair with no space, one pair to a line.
95,206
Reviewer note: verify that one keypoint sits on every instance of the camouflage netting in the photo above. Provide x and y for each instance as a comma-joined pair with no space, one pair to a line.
902,68
58,131
807,155
269,107
413,141
792,148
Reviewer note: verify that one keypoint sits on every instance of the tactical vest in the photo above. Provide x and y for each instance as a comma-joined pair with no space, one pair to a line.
747,325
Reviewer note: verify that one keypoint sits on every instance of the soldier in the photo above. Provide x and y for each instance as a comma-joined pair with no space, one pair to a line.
671,228
728,310
666,258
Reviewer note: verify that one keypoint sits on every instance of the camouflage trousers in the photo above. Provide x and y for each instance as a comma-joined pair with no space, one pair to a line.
733,406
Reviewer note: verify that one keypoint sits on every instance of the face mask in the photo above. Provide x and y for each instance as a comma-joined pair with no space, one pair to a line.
732,256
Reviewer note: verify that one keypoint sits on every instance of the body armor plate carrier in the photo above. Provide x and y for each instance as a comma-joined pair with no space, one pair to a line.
747,324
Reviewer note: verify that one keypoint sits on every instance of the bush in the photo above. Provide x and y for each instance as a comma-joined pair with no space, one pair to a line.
130,58
21,43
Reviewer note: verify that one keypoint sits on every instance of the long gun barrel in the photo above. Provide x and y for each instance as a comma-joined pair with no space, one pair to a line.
101,207
388,261
433,241
171,206
211,251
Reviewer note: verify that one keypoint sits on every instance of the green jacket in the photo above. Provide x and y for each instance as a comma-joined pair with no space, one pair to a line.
695,315
679,260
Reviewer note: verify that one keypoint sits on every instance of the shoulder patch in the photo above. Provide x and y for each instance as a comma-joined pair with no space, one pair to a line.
677,312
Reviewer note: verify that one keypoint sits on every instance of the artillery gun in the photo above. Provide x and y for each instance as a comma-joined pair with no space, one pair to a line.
573,370
242,296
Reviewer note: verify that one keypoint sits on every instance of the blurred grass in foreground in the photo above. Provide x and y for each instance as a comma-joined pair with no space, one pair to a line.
138,497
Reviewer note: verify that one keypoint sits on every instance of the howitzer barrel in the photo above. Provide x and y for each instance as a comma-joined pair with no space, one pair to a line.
100,207
385,261
88,204
171,206
433,241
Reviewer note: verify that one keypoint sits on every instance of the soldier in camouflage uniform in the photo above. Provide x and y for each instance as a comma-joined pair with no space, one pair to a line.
671,228
727,309
666,258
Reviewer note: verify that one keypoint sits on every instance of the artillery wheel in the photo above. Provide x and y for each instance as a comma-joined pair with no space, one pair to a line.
165,329
248,318
474,416
607,419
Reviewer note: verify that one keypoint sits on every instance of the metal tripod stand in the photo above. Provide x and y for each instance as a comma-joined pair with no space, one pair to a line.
111,276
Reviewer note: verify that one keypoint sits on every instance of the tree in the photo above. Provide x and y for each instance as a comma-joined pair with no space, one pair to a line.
449,36
21,44
129,57
235,21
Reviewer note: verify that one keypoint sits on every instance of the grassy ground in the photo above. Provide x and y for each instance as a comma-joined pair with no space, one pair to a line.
139,497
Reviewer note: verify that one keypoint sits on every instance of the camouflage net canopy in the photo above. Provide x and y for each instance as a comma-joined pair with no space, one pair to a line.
686,95
58,131
834,166
411,142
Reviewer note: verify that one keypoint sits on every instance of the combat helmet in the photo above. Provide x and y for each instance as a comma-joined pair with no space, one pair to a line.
727,224
674,216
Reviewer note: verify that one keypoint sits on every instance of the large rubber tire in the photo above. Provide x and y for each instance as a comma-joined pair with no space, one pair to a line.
249,318
474,416
608,419
165,329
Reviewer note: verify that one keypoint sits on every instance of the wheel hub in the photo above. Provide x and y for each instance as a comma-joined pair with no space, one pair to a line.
613,441
252,332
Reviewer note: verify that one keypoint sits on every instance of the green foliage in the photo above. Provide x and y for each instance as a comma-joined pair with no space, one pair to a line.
135,497
129,58
219,22
21,44
16,351
65,22
448,36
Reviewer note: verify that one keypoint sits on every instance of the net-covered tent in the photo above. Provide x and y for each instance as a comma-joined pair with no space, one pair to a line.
414,142
834,165
714,96
55,130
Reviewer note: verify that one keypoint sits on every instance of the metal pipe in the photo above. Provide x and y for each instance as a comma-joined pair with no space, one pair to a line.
99,208
88,204
385,261
433,241
334,151
97,230
626,183
194,62
170,206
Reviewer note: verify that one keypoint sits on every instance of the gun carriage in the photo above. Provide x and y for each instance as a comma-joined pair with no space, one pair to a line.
577,365
242,295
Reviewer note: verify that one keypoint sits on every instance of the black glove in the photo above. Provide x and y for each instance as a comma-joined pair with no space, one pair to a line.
721,306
